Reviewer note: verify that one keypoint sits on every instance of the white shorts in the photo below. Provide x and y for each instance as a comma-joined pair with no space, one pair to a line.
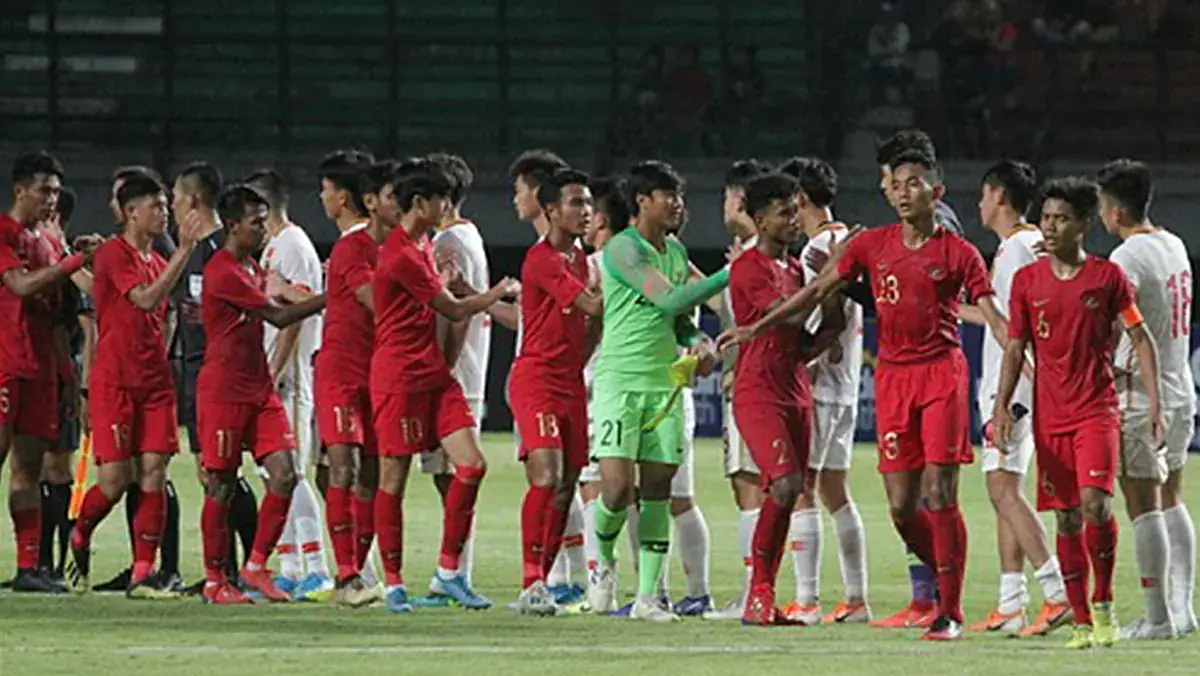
1139,460
737,454
1021,449
435,462
684,483
833,436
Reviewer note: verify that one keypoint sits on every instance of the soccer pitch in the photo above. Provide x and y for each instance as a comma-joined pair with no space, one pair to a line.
106,634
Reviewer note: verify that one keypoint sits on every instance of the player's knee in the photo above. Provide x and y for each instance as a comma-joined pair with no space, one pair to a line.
340,475
680,506
1069,521
1097,506
618,494
786,489
834,494
472,473
220,486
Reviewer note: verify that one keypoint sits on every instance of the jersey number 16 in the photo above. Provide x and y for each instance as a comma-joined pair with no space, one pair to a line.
1180,287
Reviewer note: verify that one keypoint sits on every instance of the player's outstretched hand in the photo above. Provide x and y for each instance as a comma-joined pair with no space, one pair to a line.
735,250
839,248
706,352
276,284
1001,428
191,229
733,337
507,289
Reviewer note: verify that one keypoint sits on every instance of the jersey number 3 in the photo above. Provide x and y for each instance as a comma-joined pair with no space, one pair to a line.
1179,285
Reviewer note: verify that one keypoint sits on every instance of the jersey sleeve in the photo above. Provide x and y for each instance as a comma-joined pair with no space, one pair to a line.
412,271
9,260
974,273
551,274
352,262
1124,300
226,284
624,260
818,243
1127,263
856,259
1018,309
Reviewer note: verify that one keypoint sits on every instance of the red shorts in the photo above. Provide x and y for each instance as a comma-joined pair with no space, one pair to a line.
1085,457
344,416
128,421
415,422
922,415
778,435
30,406
226,429
551,417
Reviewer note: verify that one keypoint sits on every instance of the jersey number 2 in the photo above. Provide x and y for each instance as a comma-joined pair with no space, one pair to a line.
1180,287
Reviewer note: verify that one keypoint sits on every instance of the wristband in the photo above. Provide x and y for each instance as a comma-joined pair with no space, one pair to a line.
71,264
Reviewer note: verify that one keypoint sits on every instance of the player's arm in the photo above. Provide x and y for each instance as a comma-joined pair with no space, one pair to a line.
456,309
82,279
506,315
992,317
1019,335
859,290
971,315
688,335
283,316
717,302
833,322
23,282
624,260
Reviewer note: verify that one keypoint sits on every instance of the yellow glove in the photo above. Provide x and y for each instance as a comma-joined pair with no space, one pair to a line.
683,374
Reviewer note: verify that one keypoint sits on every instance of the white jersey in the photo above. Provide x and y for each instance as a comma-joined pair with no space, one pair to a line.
836,382
1157,265
292,255
462,244
1014,253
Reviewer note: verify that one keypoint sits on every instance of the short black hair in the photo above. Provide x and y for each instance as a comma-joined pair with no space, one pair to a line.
742,171
343,168
551,190
207,180
372,179
460,171
67,200
1017,179
1083,196
646,177
1128,182
536,166
768,188
137,186
235,199
29,165
889,149
272,184
425,179
612,199
124,172
920,159
816,177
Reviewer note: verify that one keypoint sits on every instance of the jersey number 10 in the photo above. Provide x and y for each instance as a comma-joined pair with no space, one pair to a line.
1180,287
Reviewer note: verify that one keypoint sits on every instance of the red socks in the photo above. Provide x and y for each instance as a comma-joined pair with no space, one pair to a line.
1101,541
458,514
533,532
96,506
552,535
27,527
917,534
364,527
1073,560
338,520
770,537
950,549
214,527
272,517
389,522
147,532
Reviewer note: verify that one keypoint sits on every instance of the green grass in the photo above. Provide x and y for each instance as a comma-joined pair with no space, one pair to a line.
101,635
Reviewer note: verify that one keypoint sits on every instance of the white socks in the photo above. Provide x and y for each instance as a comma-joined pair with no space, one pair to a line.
591,546
747,521
692,536
466,563
1013,594
1181,533
573,542
852,551
1050,578
1152,551
805,534
309,530
288,552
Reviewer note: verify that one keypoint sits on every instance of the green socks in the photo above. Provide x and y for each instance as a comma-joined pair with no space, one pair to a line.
654,532
608,528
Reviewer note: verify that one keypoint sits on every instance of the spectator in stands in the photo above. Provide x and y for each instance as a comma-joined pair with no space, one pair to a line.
688,97
887,51
743,100
1002,35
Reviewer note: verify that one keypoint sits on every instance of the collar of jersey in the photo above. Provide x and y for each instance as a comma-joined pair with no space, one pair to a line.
355,228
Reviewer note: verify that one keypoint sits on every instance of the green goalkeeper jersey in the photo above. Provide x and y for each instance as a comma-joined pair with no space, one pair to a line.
646,300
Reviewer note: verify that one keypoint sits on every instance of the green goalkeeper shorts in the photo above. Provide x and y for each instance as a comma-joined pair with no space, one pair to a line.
620,416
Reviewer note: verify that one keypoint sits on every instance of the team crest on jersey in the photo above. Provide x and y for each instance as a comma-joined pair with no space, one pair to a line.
1090,301
937,274
881,266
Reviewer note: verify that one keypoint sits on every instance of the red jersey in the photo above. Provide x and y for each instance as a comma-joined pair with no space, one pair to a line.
770,367
27,339
349,335
916,290
407,356
131,350
235,365
554,330
1071,323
